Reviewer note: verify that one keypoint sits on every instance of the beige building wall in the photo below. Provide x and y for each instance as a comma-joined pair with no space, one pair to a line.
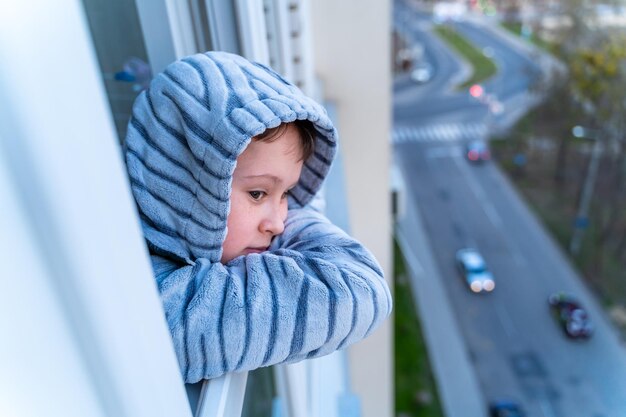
351,40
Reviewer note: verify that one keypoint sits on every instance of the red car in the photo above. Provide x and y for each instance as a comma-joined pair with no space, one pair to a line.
477,151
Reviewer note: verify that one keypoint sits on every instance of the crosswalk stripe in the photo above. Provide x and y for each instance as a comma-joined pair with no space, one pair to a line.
432,134
398,135
450,133
447,132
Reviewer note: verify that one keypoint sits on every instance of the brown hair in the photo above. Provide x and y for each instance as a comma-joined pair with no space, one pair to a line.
306,131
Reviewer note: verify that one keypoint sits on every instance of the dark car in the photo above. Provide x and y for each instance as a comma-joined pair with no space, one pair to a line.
571,316
505,409
477,151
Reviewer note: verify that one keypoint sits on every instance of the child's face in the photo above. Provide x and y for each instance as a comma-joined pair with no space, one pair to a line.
265,172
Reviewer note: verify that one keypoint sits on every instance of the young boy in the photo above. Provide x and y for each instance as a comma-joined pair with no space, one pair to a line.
224,157
266,170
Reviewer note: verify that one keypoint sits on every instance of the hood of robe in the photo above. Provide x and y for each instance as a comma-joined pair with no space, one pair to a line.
185,134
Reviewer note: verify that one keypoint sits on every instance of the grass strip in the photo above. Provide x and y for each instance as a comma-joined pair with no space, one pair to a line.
416,393
483,67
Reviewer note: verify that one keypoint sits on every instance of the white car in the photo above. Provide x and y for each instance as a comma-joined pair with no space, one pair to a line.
422,73
474,270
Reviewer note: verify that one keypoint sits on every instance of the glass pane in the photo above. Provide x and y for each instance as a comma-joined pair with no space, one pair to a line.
121,52
260,393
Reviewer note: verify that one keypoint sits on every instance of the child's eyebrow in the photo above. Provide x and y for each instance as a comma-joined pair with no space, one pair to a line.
275,180
270,177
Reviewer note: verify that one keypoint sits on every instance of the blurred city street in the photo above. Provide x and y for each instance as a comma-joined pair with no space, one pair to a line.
510,348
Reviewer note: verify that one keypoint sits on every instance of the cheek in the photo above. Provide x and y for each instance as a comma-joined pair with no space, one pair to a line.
284,207
238,213
244,216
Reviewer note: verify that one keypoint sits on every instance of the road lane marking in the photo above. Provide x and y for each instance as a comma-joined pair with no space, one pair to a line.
505,321
546,408
486,205
442,152
493,215
517,257
489,209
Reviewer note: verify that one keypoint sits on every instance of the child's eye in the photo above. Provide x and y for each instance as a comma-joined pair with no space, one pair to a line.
285,194
256,195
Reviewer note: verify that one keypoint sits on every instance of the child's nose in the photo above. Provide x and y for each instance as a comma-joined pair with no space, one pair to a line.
274,223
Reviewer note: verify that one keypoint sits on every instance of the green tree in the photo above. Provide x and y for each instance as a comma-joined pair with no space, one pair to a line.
597,83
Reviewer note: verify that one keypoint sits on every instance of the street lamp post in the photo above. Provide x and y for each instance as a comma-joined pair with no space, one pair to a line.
582,214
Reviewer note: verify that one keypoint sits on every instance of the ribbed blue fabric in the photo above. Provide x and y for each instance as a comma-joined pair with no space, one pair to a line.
314,291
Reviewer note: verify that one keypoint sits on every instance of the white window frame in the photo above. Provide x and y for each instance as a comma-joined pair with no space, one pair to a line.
292,40
223,397
252,30
292,386
278,16
75,219
306,72
221,16
168,31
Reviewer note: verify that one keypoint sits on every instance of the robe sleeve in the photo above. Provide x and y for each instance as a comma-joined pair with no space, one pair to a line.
315,291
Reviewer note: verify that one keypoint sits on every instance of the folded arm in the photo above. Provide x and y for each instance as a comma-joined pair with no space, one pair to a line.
315,291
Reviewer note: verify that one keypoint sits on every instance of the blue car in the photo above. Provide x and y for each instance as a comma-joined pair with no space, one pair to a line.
505,409
473,268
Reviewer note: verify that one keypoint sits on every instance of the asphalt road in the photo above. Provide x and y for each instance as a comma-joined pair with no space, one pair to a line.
516,348
440,100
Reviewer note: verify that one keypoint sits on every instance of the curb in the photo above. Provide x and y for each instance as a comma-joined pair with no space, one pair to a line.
457,384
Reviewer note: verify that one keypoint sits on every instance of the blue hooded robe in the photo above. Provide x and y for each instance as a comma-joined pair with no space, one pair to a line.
314,291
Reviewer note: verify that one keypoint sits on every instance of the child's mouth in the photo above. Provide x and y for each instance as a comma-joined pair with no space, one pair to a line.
255,250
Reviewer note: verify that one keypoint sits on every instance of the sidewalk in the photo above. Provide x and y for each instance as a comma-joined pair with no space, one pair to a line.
458,387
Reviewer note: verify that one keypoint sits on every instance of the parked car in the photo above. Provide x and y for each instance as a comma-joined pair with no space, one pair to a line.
570,315
422,72
474,270
505,409
477,151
